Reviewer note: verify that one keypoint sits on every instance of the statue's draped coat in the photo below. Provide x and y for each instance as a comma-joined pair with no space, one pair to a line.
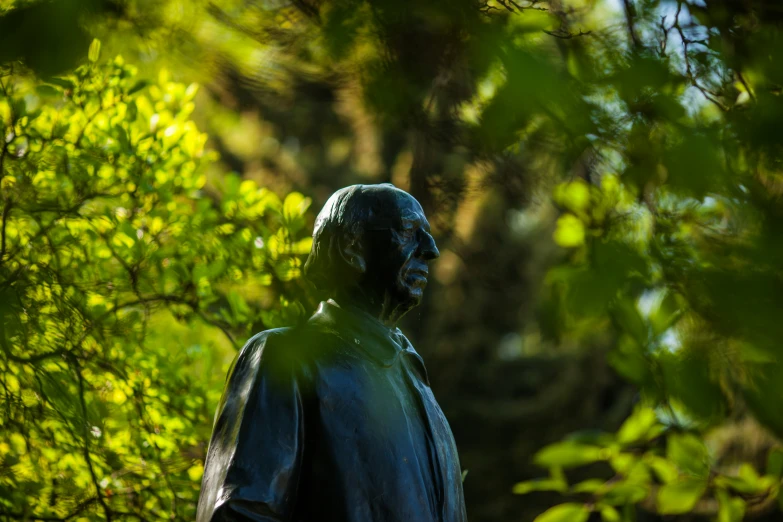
331,421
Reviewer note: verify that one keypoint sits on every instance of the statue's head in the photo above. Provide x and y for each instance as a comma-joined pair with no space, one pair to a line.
373,241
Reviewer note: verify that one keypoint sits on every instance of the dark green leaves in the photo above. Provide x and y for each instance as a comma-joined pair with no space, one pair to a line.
688,377
47,36
694,166
688,453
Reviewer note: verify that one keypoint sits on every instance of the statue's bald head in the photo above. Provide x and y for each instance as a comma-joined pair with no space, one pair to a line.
341,247
347,214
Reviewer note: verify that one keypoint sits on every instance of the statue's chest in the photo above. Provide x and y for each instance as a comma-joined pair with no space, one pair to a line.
366,403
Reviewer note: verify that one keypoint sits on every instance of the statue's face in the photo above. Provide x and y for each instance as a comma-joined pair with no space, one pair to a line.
398,248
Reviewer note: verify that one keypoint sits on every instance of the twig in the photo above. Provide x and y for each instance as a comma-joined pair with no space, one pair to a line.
744,83
24,516
567,35
688,70
630,13
87,457
665,39
6,211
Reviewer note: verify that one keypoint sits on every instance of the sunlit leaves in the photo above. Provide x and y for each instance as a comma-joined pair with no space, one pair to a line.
610,514
569,512
730,509
680,496
670,482
567,454
546,484
638,427
570,231
125,280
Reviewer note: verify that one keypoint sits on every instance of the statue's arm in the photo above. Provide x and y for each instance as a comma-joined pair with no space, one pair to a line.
254,459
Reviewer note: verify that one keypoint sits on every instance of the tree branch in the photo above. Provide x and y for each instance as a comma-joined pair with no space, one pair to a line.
688,70
25,516
6,211
630,14
87,457
567,35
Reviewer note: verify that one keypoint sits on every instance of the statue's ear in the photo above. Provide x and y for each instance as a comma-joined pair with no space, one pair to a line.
351,250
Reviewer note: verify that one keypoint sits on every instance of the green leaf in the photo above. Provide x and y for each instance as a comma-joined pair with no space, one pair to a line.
569,232
626,314
637,426
688,453
65,83
775,462
47,91
95,51
567,455
546,484
295,205
665,470
591,289
764,393
625,492
680,496
730,509
666,314
747,481
569,512
687,377
623,462
629,359
609,514
694,165
574,195
139,85
588,486
639,473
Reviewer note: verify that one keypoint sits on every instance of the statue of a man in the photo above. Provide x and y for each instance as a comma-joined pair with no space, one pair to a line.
334,420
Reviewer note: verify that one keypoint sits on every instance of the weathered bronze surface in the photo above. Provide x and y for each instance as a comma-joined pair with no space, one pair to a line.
334,420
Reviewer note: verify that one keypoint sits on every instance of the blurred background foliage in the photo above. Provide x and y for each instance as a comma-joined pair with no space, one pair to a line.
604,324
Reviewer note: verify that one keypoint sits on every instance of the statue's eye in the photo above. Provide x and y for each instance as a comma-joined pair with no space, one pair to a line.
408,231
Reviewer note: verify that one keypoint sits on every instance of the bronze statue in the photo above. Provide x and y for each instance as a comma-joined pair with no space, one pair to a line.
334,420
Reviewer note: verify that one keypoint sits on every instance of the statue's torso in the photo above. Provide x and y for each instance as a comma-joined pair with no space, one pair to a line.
381,448
349,431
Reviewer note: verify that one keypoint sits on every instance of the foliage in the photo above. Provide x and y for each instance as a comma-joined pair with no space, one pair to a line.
653,125
126,276
659,468
674,249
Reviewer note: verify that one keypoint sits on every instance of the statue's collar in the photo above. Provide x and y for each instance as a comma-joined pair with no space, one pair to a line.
362,330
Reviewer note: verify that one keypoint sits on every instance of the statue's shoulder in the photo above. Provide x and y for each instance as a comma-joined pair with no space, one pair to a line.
265,342
293,346
267,348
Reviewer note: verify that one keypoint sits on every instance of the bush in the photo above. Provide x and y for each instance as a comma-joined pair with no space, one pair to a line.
124,285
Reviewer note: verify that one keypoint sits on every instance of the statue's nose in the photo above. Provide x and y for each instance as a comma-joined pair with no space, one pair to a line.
428,248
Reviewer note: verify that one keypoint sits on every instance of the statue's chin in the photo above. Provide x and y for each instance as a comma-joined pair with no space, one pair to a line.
410,296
